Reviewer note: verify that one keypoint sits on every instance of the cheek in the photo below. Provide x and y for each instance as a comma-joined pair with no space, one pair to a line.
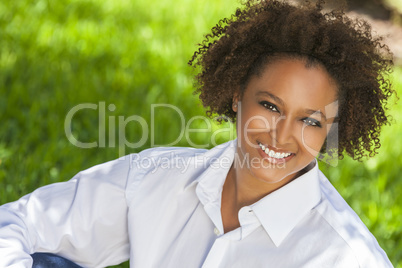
311,139
256,121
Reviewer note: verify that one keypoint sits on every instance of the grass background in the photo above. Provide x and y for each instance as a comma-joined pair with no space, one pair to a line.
55,55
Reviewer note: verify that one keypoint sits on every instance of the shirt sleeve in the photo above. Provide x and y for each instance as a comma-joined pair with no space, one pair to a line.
83,219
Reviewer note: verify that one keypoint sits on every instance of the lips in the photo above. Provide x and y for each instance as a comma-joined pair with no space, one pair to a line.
274,156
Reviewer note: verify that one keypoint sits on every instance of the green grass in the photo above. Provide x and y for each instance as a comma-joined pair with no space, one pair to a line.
55,55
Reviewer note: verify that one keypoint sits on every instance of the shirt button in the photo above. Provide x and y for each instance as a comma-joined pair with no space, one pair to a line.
216,231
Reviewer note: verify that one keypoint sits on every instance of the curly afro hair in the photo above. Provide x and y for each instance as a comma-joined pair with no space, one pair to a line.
262,31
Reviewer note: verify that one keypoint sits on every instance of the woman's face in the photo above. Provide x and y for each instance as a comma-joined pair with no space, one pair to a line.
283,119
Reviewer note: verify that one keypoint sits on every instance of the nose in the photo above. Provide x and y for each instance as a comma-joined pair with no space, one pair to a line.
282,131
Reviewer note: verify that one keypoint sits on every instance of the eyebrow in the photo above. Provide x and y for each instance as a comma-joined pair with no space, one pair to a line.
310,112
280,101
272,96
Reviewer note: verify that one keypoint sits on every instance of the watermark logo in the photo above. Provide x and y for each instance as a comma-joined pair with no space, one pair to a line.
119,124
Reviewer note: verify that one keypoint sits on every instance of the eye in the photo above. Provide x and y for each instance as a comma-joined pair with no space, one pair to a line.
269,106
311,122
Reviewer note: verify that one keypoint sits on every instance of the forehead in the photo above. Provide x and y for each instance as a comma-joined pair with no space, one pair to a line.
269,61
294,81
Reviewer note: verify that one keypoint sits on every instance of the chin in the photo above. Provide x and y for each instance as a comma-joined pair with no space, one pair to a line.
269,174
275,173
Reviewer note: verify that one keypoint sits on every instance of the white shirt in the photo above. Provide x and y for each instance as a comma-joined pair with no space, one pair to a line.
161,208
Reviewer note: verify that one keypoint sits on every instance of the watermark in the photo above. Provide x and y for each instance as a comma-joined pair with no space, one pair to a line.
119,124
114,135
174,161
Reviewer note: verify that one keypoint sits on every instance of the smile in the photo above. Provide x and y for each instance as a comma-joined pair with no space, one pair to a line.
273,154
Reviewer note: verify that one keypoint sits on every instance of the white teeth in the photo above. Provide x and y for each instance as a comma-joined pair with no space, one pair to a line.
272,153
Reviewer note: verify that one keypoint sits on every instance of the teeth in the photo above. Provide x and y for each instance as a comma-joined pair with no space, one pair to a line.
272,153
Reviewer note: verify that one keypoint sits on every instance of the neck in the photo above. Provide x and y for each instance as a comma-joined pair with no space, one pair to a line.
241,188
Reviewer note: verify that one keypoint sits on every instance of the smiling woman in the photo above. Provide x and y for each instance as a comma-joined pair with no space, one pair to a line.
279,119
277,127
298,82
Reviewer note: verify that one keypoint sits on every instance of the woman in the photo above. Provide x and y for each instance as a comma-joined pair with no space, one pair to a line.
298,83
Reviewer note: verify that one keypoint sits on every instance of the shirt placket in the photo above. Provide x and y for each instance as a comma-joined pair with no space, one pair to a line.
221,246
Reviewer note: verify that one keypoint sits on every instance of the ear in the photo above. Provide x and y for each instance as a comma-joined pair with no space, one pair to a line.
235,102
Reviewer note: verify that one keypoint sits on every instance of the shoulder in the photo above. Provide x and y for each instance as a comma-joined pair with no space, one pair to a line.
132,168
170,168
142,162
160,157
346,227
186,151
167,152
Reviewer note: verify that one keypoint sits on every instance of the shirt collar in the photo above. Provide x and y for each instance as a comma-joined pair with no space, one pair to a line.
280,211
218,161
209,183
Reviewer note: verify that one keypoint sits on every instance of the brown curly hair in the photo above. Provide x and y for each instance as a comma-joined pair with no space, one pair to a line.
359,63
